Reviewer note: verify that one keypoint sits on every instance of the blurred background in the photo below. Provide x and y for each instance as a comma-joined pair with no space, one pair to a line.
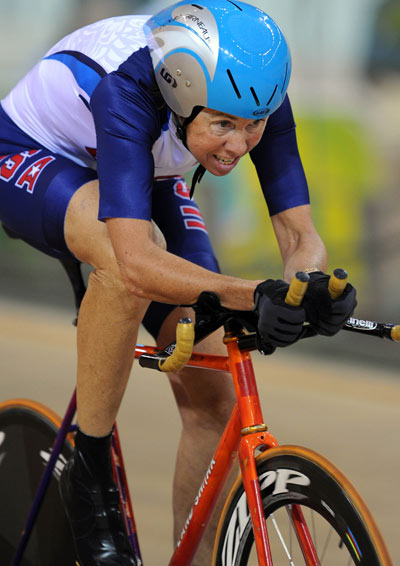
345,92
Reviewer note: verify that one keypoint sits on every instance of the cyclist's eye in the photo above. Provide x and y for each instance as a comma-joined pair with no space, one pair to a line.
222,126
225,125
254,126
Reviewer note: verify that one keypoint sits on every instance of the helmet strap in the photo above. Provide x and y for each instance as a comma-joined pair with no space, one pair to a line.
181,133
197,177
181,128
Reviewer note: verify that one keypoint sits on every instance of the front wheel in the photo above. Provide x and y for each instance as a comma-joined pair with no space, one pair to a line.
296,482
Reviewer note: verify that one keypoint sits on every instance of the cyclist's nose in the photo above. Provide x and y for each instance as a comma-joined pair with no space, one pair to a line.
237,143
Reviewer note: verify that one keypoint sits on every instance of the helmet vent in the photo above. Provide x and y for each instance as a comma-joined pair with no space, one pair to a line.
272,95
284,80
238,7
253,92
197,6
234,84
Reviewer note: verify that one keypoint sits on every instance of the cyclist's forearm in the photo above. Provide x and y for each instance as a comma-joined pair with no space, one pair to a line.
309,253
150,272
300,244
171,279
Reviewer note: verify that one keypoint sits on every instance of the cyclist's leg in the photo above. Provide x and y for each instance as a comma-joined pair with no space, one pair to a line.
109,317
33,202
204,398
36,188
107,328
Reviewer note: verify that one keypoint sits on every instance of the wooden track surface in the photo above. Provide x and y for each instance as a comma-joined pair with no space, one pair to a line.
349,413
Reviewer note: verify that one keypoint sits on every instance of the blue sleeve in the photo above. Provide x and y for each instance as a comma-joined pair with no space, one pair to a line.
126,112
278,164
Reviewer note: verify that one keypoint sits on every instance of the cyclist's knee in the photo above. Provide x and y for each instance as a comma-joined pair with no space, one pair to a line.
107,290
106,278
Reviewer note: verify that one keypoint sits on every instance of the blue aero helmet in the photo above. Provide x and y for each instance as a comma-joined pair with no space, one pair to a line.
220,54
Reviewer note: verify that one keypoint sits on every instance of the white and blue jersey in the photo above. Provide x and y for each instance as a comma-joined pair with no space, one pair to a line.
93,99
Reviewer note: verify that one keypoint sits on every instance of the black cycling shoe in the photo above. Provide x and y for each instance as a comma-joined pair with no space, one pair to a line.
91,502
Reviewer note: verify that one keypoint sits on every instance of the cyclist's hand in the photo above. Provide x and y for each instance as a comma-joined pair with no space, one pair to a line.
327,316
278,323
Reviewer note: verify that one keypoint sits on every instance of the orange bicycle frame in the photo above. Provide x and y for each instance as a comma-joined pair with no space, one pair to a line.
245,432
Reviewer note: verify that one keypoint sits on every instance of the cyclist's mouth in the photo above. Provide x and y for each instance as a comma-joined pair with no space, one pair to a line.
225,164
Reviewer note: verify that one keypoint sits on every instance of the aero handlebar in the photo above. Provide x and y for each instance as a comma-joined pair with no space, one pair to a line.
176,355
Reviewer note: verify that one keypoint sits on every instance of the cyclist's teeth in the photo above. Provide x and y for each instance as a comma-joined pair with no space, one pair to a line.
224,160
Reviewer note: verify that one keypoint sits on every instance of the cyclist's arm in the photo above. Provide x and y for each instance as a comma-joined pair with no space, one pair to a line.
150,272
278,163
299,242
128,121
284,185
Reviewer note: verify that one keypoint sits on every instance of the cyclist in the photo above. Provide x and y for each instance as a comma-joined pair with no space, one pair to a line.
94,141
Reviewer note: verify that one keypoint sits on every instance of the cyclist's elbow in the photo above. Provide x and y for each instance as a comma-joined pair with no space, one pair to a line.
133,283
136,281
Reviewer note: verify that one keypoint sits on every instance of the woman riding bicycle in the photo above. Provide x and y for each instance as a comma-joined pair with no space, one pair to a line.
94,141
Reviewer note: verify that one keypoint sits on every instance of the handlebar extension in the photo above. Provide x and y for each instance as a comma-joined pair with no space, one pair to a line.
176,355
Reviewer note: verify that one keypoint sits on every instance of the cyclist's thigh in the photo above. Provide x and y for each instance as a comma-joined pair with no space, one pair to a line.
183,227
36,186
85,235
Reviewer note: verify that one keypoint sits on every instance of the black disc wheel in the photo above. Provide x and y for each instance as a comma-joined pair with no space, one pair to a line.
298,483
27,434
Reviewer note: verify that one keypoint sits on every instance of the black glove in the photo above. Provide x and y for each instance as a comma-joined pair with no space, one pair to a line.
327,316
279,324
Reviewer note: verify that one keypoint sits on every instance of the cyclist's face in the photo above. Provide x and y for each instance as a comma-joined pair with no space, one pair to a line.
219,140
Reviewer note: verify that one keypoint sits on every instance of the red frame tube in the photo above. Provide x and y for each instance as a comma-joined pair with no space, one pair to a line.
124,492
213,483
205,361
238,437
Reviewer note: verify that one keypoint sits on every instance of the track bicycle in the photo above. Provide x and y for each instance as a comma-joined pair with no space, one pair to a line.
289,505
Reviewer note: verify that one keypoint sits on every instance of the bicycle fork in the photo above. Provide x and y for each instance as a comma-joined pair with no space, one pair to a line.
255,437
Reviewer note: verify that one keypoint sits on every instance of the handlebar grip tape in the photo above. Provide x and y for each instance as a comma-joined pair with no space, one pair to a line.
337,283
183,348
297,289
395,333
